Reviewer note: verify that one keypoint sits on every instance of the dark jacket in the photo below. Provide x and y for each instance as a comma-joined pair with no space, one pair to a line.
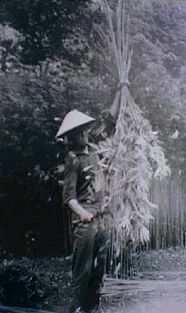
79,181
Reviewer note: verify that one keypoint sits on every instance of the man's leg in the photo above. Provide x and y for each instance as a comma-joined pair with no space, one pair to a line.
97,270
83,250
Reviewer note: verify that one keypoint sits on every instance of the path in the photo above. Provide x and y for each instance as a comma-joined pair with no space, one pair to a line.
134,296
145,296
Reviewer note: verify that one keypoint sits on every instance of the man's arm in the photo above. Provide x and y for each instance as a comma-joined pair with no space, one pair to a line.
84,215
69,190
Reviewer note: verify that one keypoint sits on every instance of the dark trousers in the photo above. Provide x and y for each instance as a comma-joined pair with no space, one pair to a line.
89,255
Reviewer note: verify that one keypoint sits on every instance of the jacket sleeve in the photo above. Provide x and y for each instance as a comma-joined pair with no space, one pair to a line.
70,179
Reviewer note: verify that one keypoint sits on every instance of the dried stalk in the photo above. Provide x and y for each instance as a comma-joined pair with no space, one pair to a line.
123,162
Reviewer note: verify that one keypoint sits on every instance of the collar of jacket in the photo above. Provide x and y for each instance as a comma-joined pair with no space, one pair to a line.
79,152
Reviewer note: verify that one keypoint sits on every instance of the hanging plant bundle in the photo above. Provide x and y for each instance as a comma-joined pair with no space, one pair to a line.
125,162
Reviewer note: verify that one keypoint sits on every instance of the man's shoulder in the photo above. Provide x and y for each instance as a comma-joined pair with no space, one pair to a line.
72,155
72,159
78,159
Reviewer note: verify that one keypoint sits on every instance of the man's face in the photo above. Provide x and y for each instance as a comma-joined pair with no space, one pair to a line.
83,137
79,139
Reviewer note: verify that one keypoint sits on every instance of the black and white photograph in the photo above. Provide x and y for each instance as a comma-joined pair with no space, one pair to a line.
92,156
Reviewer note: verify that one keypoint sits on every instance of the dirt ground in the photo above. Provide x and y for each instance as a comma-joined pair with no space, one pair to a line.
157,284
145,296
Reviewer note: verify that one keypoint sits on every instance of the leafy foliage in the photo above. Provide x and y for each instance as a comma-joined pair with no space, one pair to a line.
157,79
33,100
20,287
28,152
39,283
9,46
48,28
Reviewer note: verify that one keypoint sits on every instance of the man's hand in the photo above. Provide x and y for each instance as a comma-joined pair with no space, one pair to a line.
84,215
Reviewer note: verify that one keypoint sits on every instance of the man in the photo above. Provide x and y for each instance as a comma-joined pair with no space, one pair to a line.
89,242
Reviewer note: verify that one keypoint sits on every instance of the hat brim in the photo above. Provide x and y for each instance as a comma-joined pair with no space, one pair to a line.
77,129
73,120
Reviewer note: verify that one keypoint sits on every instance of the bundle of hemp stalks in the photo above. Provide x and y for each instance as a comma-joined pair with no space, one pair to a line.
126,162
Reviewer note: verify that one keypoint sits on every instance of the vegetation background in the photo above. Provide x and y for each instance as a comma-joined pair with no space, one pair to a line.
49,65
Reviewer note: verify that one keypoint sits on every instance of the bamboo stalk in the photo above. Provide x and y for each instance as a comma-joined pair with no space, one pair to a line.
112,35
119,37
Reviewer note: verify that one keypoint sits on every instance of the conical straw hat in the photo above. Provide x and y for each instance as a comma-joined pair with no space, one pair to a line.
72,120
